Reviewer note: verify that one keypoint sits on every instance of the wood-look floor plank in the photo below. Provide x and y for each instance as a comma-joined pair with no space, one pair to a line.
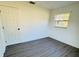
45,47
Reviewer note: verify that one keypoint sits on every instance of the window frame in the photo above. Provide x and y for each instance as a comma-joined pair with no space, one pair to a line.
62,21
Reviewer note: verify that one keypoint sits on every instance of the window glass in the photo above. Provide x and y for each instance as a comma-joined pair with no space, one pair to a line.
62,19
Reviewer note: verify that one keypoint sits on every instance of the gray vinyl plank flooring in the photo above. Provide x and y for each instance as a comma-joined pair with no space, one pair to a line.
45,47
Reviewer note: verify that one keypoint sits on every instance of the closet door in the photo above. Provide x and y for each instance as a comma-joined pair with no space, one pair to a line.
10,17
2,41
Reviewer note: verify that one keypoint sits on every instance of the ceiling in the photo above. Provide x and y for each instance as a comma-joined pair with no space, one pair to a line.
54,4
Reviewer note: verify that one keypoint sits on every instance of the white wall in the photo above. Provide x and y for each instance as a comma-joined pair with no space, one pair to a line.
71,34
33,22
31,19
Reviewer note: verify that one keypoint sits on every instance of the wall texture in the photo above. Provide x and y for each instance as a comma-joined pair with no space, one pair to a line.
31,19
69,35
33,22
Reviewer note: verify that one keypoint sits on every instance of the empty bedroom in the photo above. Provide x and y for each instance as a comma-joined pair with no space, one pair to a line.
39,28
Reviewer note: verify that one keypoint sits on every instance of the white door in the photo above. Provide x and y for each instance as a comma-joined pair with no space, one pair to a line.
10,17
2,41
11,28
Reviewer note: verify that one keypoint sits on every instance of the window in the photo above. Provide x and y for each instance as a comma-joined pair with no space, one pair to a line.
62,20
